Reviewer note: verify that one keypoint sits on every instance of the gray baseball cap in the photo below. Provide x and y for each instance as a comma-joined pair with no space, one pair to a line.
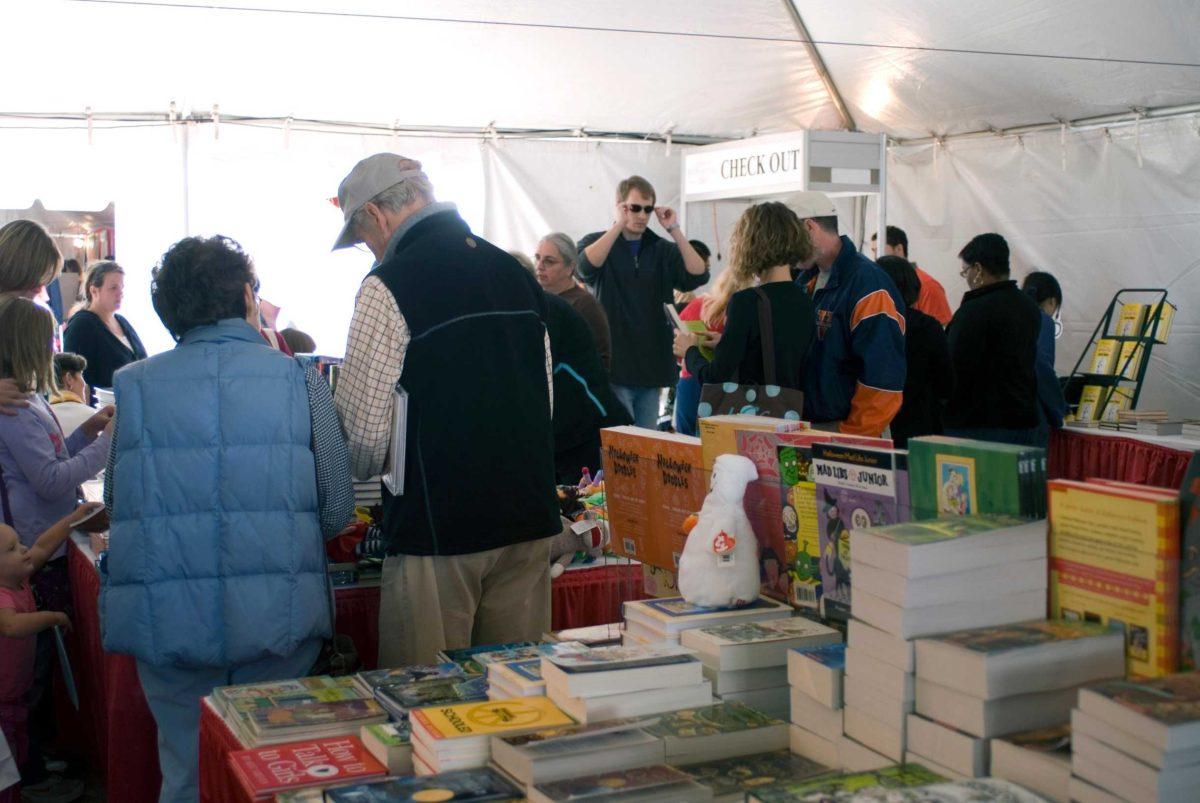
369,177
810,204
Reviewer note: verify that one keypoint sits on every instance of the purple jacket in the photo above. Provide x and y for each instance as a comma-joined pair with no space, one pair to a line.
42,469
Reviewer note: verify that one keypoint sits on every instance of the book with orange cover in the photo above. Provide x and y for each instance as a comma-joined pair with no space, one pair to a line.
1114,556
653,482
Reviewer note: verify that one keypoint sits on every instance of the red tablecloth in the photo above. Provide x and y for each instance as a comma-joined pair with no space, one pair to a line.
586,597
217,784
1077,455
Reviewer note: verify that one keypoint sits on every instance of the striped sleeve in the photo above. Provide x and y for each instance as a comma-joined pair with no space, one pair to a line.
877,340
335,491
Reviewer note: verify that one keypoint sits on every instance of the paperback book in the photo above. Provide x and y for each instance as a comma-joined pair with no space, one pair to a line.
818,672
840,787
671,784
400,698
672,615
462,786
1163,711
262,772
752,645
391,744
718,731
367,681
465,657
960,477
1039,760
268,726
731,778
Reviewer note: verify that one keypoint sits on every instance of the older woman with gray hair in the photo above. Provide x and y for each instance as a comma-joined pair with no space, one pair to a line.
554,267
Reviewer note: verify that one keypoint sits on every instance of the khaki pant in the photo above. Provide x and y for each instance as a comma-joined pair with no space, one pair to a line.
432,603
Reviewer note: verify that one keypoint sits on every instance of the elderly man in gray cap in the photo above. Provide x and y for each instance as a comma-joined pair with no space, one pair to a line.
459,325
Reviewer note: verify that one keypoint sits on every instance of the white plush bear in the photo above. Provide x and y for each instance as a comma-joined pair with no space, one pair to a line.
719,565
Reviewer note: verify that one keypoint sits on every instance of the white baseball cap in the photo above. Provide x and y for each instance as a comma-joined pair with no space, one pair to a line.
811,204
370,177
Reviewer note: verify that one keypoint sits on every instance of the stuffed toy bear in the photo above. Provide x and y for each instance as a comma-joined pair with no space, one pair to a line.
577,536
719,565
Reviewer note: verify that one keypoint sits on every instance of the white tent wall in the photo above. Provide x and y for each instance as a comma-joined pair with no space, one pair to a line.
1101,223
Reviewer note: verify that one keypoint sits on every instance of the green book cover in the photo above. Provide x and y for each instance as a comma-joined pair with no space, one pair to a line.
391,734
710,720
1001,638
959,477
835,787
754,773
933,531
608,784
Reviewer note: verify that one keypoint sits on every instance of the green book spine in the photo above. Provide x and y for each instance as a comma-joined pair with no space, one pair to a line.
948,477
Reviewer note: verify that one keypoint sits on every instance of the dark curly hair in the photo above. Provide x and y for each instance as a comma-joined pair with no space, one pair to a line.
199,281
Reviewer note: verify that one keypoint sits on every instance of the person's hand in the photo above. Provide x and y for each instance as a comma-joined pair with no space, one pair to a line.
621,216
11,397
666,217
63,621
100,422
710,339
81,512
683,342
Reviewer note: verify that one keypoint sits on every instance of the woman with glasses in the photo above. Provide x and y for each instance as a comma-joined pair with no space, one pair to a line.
1043,288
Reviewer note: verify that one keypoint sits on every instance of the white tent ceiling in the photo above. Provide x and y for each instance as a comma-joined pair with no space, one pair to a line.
721,68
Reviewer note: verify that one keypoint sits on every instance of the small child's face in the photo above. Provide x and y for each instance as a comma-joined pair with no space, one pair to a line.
16,564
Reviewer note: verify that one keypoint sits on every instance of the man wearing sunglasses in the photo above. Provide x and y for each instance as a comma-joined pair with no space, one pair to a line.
633,272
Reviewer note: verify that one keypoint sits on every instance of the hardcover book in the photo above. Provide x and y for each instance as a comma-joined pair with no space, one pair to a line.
1114,556
960,477
460,786
857,488
801,540
264,771
735,776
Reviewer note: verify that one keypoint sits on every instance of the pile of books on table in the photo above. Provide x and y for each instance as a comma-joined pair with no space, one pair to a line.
454,737
747,662
978,684
654,621
1190,429
1039,760
615,682
292,710
1137,740
266,772
919,579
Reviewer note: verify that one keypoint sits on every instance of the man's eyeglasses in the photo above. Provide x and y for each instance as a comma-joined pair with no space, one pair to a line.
638,208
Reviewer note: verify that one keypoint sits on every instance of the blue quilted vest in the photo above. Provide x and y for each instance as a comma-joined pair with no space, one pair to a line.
215,552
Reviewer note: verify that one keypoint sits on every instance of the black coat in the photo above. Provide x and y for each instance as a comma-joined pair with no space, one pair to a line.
928,382
993,345
88,337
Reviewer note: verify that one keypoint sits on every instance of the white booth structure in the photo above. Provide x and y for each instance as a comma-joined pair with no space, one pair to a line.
731,175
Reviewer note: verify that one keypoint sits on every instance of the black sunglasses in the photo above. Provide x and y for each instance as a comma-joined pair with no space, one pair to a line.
636,208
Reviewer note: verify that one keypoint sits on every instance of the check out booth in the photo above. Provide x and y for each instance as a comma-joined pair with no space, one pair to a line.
720,181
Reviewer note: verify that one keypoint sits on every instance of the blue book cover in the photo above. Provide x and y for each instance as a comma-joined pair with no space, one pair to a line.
461,786
530,670
829,655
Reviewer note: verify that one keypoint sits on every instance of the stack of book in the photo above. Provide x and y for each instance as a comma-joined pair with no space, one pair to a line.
461,786
856,789
731,779
960,477
455,737
465,657
1137,740
554,754
515,679
722,730
656,783
1039,760
400,698
748,662
1115,556
924,578
368,493
614,682
899,778
653,621
391,745
291,710
1190,430
816,679
591,636
264,772
993,681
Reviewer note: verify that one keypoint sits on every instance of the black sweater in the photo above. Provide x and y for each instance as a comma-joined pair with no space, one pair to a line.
88,337
739,355
928,382
993,345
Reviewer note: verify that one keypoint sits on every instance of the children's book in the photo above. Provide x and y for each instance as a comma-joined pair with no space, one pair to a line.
465,656
368,680
731,776
263,771
608,785
1104,358
460,786
837,787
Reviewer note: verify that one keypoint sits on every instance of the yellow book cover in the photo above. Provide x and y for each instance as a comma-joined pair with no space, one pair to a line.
1089,403
718,433
1104,358
1165,318
1129,323
1114,556
488,717
1120,399
1131,359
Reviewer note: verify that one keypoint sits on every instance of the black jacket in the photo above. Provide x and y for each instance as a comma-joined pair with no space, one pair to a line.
928,382
993,345
739,355
87,336
478,400
583,399
632,291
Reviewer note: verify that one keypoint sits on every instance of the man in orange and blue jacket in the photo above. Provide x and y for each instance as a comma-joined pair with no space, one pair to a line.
854,375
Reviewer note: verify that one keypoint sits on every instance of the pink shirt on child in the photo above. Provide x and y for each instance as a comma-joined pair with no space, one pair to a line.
16,654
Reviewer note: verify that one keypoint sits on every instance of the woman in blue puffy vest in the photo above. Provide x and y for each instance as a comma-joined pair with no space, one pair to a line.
227,472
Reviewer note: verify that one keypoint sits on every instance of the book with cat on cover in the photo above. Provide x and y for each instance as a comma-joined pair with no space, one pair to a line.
1114,556
840,787
461,786
1163,711
609,785
731,778
263,771
856,488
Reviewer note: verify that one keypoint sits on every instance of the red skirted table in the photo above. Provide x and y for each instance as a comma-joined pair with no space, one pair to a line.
1077,454
120,733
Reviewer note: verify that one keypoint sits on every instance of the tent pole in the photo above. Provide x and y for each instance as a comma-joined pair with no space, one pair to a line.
187,225
819,65
883,157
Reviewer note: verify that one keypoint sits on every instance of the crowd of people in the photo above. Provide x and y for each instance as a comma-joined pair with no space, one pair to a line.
227,464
